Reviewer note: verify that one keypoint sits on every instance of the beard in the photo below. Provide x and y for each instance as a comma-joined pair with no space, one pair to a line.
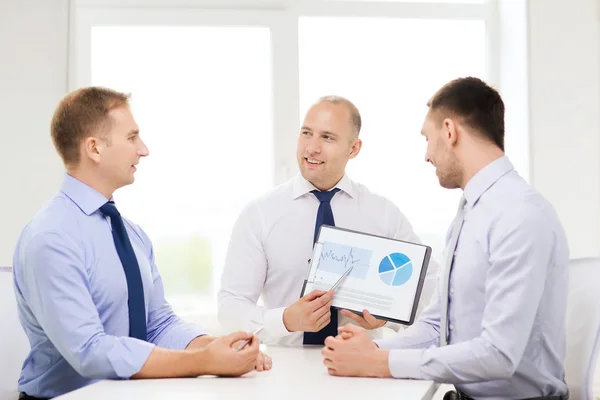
450,173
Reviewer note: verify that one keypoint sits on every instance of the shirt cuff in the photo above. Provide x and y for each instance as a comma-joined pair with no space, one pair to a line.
180,336
406,363
394,326
274,325
387,343
129,357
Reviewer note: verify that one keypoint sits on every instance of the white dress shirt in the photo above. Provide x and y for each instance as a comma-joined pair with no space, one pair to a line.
507,298
271,245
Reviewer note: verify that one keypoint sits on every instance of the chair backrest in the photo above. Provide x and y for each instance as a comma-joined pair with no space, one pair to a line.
583,326
14,345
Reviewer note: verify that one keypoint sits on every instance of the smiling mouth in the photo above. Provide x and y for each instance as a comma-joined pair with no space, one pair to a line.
313,162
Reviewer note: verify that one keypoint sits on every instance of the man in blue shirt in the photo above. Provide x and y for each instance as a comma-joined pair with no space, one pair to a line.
495,327
89,295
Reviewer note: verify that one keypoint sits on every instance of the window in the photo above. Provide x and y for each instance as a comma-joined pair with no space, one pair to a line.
389,68
202,99
219,87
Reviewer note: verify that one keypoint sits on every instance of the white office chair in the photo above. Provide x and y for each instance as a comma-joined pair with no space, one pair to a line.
583,326
14,345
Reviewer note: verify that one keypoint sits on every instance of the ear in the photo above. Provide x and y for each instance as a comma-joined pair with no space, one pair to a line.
450,131
355,149
92,148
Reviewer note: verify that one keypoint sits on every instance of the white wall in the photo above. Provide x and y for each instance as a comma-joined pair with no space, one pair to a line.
33,77
564,75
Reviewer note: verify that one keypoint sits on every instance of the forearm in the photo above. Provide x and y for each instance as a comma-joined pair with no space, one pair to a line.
200,342
475,360
418,336
164,363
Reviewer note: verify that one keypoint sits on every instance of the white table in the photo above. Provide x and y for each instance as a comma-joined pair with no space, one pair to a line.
298,373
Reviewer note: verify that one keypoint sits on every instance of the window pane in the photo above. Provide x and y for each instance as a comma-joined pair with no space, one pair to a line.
202,99
389,68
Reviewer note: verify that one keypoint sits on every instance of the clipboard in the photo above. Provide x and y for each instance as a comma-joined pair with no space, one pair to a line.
387,275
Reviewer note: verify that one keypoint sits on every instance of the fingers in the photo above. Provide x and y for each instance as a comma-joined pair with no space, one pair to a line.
313,295
260,362
351,328
237,336
371,319
323,301
331,344
323,321
356,318
252,349
321,311
346,335
268,362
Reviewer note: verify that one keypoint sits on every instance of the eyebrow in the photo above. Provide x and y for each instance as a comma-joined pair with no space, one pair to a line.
306,128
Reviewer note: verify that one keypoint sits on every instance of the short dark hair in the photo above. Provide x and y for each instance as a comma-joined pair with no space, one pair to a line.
476,103
81,114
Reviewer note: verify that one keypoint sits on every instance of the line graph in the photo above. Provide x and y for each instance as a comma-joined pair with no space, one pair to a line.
337,258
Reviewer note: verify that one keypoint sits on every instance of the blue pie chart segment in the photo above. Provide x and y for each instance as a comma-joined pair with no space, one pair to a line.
395,269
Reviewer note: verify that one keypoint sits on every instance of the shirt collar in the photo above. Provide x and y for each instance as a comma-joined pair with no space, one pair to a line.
302,186
485,179
86,198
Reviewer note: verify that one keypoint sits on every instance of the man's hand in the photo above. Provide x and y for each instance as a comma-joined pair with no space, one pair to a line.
224,360
263,362
353,353
367,321
310,313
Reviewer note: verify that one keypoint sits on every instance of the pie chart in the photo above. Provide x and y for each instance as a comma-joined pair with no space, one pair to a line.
395,269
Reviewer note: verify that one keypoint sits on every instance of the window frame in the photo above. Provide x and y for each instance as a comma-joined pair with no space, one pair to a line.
282,17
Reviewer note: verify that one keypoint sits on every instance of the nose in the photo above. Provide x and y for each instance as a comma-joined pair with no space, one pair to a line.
143,150
313,146
427,159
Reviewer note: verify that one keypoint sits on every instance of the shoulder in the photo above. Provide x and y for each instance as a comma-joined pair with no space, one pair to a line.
515,209
58,220
376,202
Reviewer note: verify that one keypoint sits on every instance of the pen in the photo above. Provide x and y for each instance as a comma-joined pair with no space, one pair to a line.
339,281
245,342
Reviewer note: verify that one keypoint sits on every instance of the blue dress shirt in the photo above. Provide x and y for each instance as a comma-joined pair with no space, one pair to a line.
72,297
507,298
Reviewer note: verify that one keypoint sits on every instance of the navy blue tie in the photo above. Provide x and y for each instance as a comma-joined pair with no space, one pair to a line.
324,217
135,289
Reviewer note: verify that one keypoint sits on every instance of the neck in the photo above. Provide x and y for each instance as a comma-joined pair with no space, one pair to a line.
87,176
478,158
324,187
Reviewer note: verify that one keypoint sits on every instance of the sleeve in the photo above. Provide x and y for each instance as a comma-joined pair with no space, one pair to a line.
56,288
520,246
244,277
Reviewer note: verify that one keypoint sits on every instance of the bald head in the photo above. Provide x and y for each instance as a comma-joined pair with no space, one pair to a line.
355,118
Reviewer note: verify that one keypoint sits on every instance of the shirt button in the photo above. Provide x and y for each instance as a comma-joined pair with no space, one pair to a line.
451,290
451,327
